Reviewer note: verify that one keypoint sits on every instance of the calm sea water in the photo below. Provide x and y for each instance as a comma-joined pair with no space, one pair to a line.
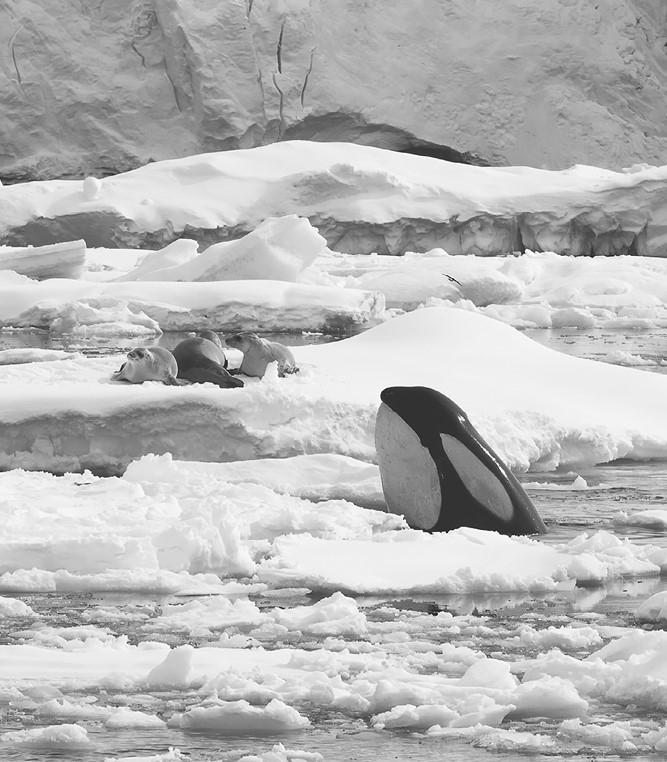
616,488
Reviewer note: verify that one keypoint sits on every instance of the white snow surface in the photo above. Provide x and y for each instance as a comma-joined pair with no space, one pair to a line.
347,189
168,525
535,406
239,571
278,249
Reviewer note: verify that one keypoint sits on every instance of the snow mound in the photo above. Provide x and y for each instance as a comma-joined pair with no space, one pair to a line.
536,407
277,249
361,199
171,257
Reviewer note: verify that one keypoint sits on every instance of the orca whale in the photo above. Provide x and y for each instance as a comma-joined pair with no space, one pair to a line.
438,471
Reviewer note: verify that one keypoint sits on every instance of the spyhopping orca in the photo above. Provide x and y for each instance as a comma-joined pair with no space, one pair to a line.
439,473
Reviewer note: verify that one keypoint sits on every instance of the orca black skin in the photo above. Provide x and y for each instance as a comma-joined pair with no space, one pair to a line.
439,473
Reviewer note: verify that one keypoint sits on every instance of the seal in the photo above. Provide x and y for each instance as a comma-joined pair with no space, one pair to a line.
200,360
258,353
148,364
439,473
211,336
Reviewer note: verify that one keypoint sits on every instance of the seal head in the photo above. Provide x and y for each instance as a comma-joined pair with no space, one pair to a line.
148,364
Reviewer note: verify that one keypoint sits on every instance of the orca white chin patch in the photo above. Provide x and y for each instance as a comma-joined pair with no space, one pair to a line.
410,479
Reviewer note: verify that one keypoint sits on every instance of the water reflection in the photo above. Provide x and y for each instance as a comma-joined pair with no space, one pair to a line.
94,346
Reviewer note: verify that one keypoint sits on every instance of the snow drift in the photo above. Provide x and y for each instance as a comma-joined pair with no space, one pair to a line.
361,200
535,406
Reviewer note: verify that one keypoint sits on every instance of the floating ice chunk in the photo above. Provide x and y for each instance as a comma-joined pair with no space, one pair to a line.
265,305
62,709
657,738
13,607
573,317
616,735
414,717
201,615
551,697
653,609
129,580
579,483
495,739
568,638
57,737
173,755
335,615
489,673
240,717
514,740
454,562
610,556
174,671
651,519
278,753
124,717
104,316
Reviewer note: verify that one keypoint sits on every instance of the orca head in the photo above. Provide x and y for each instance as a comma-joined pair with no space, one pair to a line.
438,471
404,429
426,411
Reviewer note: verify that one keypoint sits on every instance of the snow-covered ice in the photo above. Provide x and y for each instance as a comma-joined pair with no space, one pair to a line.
229,572
537,407
363,200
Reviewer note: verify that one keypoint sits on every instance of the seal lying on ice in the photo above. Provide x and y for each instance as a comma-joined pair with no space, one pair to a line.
258,353
200,360
148,364
196,360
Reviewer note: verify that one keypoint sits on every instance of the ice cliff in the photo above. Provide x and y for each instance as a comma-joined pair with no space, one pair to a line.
98,88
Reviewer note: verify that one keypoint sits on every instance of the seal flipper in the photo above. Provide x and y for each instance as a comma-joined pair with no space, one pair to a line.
213,375
118,375
438,471
171,380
